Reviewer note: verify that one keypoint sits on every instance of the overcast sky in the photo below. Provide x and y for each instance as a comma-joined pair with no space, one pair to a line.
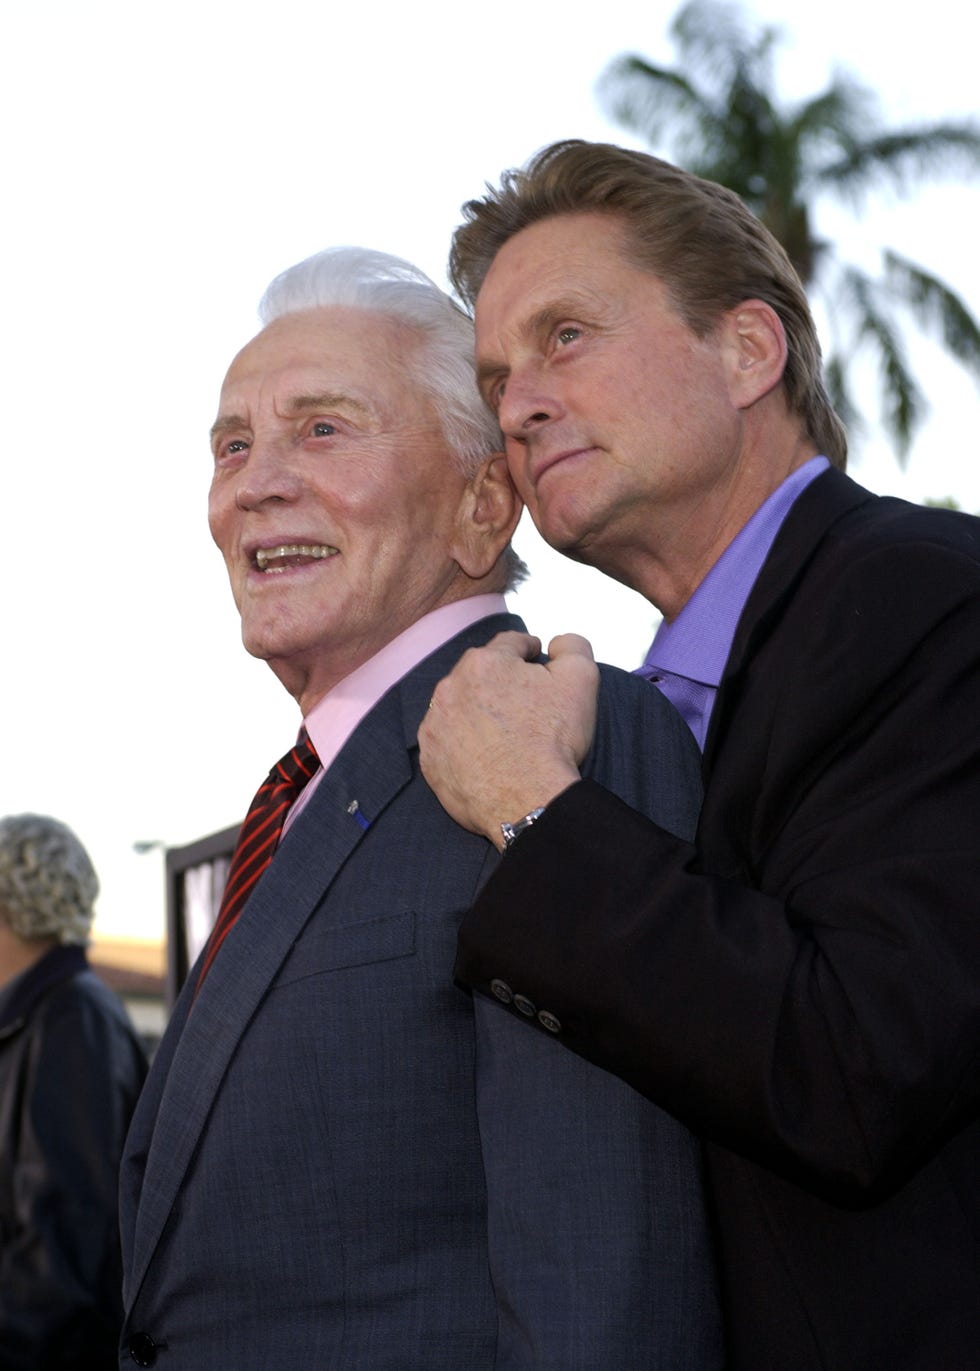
157,172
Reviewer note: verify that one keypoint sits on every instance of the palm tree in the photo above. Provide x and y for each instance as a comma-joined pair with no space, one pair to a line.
725,123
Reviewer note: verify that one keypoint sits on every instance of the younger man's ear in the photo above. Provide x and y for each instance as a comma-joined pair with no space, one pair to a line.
755,349
489,513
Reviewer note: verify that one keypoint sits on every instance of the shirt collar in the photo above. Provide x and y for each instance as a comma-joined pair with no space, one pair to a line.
696,644
333,719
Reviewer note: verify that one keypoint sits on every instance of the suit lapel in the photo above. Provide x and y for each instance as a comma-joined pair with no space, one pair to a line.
370,770
316,846
824,501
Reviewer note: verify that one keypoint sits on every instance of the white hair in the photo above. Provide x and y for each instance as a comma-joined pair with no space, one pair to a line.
48,884
362,278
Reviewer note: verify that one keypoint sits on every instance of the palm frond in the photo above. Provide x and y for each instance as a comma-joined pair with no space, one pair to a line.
903,403
712,37
901,155
831,124
838,388
647,99
937,308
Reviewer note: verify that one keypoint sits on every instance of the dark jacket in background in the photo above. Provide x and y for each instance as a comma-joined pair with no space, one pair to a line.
71,1068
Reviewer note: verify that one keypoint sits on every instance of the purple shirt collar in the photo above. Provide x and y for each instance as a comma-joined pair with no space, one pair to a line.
697,643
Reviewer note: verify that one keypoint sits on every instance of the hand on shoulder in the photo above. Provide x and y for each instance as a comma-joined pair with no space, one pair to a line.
506,733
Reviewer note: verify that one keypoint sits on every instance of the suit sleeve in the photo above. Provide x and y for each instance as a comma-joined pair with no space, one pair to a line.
803,985
590,1187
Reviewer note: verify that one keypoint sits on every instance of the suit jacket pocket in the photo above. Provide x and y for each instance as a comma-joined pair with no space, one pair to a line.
323,947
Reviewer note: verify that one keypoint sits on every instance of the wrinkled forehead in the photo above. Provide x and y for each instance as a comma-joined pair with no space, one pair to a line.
580,245
575,263
373,357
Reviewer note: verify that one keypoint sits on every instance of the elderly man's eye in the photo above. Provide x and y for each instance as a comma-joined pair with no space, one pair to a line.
568,334
322,429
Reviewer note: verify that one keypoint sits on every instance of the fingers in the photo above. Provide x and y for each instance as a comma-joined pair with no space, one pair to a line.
482,668
572,665
520,645
570,645
506,733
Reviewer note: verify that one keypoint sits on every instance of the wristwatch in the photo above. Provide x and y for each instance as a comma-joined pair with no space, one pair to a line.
513,831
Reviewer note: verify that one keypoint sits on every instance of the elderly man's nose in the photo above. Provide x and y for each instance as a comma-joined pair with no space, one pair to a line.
269,473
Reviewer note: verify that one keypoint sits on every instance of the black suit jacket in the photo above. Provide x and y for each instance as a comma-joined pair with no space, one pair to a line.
802,985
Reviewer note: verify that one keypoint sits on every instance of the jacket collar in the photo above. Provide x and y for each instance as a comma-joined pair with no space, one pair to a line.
816,510
58,965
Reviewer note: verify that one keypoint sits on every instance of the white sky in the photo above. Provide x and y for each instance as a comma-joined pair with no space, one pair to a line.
158,170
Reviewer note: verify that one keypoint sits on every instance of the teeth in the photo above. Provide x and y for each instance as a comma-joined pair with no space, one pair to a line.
317,551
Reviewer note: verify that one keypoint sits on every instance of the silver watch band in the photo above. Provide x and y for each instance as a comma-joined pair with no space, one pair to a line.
513,831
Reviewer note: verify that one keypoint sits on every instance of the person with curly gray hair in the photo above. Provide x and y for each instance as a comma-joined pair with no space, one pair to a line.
71,1068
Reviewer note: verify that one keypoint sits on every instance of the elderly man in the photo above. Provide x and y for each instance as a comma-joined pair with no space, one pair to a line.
71,1068
800,985
340,1160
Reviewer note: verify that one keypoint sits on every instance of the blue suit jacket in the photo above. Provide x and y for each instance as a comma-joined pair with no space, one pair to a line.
340,1161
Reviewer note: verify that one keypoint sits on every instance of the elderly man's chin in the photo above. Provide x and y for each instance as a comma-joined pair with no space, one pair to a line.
280,617
273,635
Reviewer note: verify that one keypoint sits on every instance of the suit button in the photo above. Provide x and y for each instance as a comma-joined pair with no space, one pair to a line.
522,1003
143,1349
549,1021
502,991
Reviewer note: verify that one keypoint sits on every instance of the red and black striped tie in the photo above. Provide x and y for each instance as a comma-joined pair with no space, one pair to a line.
258,838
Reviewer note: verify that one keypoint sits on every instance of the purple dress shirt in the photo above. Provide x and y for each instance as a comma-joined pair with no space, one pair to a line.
687,656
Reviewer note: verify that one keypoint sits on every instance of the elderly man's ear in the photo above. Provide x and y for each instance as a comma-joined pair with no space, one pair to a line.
489,510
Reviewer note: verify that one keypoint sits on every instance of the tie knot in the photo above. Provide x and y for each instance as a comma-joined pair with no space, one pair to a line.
299,763
258,837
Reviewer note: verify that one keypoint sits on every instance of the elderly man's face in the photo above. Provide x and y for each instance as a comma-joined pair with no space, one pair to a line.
335,500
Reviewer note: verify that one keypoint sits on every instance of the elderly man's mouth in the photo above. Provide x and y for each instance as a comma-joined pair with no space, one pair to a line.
291,555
